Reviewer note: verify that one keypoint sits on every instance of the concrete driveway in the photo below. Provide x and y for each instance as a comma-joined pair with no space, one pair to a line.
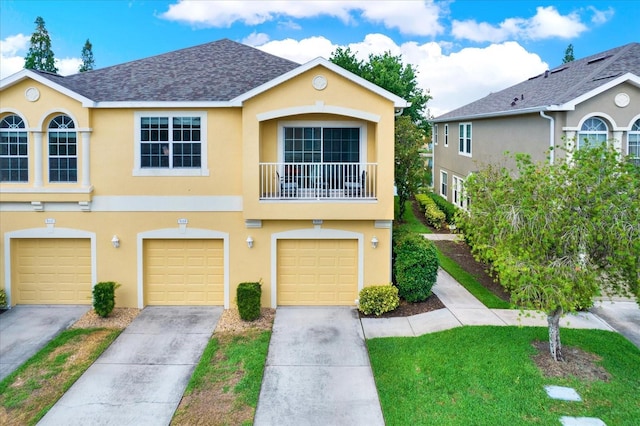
139,380
621,314
25,329
318,371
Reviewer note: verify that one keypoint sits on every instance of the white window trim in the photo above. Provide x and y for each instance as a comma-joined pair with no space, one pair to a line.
444,176
446,135
343,124
435,134
635,133
203,170
26,130
464,153
458,189
49,156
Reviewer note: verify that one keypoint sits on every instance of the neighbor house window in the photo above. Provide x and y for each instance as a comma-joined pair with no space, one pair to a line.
459,198
63,150
443,184
633,143
435,134
170,144
593,132
464,146
446,135
14,160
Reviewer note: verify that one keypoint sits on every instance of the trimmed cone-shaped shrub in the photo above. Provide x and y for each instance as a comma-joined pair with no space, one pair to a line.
415,266
104,297
248,296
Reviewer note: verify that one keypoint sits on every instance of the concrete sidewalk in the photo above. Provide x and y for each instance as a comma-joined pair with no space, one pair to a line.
25,329
139,380
318,371
462,308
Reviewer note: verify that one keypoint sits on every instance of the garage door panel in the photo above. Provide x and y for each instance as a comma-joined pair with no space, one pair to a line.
184,272
317,272
52,271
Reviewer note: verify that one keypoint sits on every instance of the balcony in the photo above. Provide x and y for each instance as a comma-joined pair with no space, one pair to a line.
318,181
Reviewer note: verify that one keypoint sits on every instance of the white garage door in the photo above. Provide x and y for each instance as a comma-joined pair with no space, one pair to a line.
317,272
183,272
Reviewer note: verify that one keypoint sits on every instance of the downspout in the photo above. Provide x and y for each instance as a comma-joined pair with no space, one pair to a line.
551,135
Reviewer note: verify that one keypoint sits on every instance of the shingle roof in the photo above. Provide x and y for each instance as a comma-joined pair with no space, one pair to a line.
216,71
557,86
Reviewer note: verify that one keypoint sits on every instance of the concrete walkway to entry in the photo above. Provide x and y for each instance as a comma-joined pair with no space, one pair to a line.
462,308
25,329
318,371
139,380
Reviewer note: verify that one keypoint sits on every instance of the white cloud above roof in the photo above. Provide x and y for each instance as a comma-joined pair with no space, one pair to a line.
546,23
407,16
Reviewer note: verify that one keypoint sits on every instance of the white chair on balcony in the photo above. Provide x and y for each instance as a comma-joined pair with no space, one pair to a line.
288,186
354,185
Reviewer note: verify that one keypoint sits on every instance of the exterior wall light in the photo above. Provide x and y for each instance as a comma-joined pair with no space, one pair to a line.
374,242
115,241
249,241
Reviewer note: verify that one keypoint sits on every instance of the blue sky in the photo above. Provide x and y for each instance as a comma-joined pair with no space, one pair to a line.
462,49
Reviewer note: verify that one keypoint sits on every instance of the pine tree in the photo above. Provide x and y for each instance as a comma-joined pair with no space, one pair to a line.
40,56
568,54
87,57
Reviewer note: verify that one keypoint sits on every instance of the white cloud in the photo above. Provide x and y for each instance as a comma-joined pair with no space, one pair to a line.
546,23
68,66
452,79
255,39
601,16
12,50
407,16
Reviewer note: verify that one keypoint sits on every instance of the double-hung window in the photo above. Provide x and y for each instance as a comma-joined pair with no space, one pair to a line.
14,159
592,133
444,177
464,146
435,134
459,197
633,143
63,150
170,144
446,135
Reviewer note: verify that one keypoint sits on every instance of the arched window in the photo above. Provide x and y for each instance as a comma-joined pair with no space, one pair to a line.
14,159
593,132
633,143
63,150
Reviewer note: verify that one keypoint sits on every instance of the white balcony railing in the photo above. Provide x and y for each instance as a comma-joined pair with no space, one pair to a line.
318,181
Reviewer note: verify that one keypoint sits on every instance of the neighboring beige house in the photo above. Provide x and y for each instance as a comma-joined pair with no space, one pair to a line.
595,98
181,175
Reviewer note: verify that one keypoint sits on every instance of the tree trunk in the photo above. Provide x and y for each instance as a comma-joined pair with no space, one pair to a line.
554,334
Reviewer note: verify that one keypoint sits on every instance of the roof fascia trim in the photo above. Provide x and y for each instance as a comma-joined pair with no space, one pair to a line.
398,102
164,105
571,105
492,114
26,74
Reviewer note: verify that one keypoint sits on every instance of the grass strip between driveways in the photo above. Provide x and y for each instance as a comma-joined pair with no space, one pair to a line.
485,376
225,384
29,392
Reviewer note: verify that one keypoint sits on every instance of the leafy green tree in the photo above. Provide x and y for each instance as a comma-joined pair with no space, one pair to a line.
559,234
409,171
40,56
87,57
568,54
388,72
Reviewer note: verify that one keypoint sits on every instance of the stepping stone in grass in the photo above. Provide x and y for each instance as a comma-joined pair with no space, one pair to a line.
581,421
562,393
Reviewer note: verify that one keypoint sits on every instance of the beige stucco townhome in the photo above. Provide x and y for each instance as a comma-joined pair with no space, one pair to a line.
181,175
596,98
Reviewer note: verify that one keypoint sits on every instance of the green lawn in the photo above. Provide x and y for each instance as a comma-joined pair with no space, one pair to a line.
484,376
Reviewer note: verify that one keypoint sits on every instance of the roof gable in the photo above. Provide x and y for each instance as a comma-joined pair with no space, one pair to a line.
561,88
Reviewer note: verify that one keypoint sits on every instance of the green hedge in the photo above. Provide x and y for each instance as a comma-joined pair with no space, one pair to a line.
3,299
449,209
378,299
104,297
415,267
434,216
248,297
